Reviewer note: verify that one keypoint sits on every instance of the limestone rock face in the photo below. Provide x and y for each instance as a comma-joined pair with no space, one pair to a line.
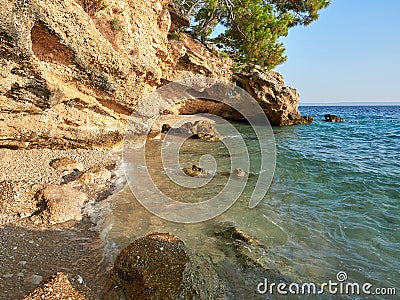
279,102
72,72
159,266
179,18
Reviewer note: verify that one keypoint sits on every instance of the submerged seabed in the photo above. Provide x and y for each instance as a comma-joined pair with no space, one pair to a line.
333,204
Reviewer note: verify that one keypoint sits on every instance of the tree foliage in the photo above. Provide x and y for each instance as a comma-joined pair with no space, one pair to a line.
253,27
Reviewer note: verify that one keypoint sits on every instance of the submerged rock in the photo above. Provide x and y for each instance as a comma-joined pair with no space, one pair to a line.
160,266
333,118
194,171
230,231
249,251
62,286
239,172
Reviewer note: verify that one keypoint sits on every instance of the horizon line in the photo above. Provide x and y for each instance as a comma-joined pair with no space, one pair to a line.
389,103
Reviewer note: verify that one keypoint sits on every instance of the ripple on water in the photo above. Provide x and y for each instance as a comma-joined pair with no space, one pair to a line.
332,206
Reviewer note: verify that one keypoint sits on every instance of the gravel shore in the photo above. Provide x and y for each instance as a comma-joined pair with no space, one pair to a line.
31,252
34,165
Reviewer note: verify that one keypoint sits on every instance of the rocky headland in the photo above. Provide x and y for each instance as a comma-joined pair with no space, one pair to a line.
71,74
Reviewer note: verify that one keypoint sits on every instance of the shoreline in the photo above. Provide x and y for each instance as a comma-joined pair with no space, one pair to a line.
58,247
31,250
74,257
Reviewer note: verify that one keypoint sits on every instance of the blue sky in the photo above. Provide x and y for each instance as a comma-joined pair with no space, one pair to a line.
350,54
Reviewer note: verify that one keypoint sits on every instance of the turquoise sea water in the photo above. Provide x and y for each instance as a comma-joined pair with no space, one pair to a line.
337,193
333,205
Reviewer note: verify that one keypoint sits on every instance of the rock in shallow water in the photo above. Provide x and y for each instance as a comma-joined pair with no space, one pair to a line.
333,118
160,266
195,171
239,172
249,251
203,130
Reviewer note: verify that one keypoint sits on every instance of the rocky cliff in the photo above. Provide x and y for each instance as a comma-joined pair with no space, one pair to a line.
71,72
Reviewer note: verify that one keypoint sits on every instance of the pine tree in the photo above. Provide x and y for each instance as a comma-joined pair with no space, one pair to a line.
253,27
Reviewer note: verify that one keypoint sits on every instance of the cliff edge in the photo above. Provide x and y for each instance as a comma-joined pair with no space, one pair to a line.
72,72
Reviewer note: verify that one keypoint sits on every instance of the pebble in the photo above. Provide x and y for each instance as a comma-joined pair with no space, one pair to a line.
36,279
80,279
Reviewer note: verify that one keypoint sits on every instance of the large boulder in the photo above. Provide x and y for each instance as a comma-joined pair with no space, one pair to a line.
203,130
59,203
159,266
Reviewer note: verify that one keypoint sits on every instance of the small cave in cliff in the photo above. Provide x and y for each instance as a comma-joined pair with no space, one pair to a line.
204,106
47,47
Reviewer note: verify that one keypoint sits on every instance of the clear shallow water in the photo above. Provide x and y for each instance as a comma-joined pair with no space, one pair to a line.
333,204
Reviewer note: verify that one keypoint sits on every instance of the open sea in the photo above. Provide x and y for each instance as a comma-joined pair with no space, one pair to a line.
333,205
